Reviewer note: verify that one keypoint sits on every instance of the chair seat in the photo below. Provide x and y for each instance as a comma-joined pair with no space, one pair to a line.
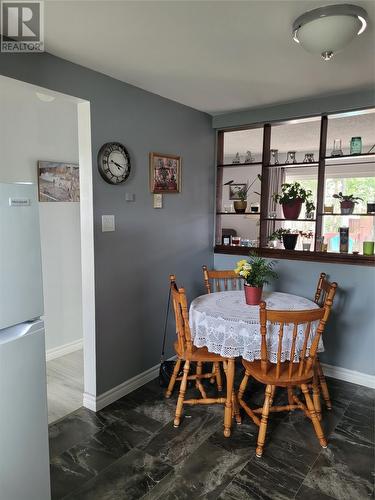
283,380
198,354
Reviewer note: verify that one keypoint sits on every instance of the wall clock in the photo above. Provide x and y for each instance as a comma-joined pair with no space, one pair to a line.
114,163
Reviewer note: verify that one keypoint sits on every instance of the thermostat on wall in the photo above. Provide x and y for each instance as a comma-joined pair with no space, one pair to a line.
158,201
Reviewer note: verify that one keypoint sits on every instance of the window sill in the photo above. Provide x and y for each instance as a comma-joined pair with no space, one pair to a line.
337,258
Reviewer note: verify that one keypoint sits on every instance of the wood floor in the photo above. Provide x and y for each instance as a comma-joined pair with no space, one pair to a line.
64,385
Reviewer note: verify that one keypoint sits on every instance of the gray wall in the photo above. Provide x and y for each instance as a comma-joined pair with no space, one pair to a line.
349,338
132,264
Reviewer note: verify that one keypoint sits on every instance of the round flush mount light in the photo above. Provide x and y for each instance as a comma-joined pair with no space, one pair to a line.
327,30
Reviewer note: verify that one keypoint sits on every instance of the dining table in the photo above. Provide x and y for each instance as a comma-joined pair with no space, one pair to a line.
224,324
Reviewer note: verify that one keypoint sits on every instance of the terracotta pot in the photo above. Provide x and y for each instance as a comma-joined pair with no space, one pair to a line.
240,206
290,241
253,295
347,207
293,209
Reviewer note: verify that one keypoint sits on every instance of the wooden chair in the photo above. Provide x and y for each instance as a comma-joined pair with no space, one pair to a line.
219,281
187,353
286,374
324,290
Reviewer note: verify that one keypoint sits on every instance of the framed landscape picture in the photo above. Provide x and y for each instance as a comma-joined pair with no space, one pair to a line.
58,181
165,173
233,190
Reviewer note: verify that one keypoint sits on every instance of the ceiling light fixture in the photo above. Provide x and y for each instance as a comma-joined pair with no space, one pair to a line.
327,30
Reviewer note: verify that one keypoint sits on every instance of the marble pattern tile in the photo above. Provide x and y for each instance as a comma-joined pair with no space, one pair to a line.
130,477
130,450
204,474
344,470
72,429
172,445
278,474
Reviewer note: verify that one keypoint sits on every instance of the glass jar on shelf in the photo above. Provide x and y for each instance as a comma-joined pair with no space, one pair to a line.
337,149
356,146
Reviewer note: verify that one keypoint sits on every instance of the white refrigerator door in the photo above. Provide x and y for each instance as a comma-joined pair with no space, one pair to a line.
24,454
21,292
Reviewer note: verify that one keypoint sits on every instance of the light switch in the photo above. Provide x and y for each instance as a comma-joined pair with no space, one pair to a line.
129,196
108,223
158,201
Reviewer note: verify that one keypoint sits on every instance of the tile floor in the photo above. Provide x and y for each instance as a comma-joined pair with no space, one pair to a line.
130,450
64,385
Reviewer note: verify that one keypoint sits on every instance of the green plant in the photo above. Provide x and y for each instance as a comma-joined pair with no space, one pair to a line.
304,234
309,206
278,234
242,193
256,271
347,197
291,192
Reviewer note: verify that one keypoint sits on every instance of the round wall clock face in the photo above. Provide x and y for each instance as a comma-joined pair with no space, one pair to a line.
114,162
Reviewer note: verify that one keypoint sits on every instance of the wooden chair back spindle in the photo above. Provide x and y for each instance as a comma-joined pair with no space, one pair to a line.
220,281
325,290
181,315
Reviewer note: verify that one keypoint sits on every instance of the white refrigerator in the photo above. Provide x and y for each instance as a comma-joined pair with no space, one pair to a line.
24,453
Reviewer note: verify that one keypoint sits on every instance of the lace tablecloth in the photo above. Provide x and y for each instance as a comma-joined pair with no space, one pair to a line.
226,325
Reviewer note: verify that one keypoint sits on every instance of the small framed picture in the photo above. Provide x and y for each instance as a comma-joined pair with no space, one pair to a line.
165,173
58,181
233,190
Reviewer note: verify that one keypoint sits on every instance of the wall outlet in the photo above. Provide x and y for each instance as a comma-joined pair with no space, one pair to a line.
108,223
158,201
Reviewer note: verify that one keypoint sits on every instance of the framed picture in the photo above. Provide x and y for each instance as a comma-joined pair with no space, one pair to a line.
165,173
233,190
58,181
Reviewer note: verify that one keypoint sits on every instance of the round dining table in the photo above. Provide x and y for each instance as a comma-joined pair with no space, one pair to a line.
226,325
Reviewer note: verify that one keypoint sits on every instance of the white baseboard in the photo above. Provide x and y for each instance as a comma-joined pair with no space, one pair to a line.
349,375
56,352
97,403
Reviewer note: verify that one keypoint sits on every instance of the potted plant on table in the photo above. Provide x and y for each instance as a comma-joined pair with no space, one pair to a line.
292,196
347,202
256,272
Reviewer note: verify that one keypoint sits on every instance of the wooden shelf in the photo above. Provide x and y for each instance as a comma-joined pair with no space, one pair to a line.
235,213
276,253
370,156
346,215
239,164
295,220
294,165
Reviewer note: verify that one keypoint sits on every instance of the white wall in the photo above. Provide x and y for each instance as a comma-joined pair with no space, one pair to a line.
32,130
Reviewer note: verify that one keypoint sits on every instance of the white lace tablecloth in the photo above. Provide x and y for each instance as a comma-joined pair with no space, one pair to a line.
226,325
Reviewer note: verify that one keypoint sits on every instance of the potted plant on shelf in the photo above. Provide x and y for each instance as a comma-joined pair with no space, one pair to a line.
276,237
309,209
256,272
289,238
292,196
307,237
347,202
240,205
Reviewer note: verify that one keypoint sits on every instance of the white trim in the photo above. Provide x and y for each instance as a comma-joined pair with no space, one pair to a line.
97,403
349,375
57,352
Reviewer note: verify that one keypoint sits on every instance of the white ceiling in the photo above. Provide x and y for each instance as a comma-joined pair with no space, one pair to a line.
215,56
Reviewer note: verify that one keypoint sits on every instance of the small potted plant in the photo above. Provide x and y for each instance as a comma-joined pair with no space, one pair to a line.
347,202
240,205
291,199
256,272
309,209
307,237
276,237
289,239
